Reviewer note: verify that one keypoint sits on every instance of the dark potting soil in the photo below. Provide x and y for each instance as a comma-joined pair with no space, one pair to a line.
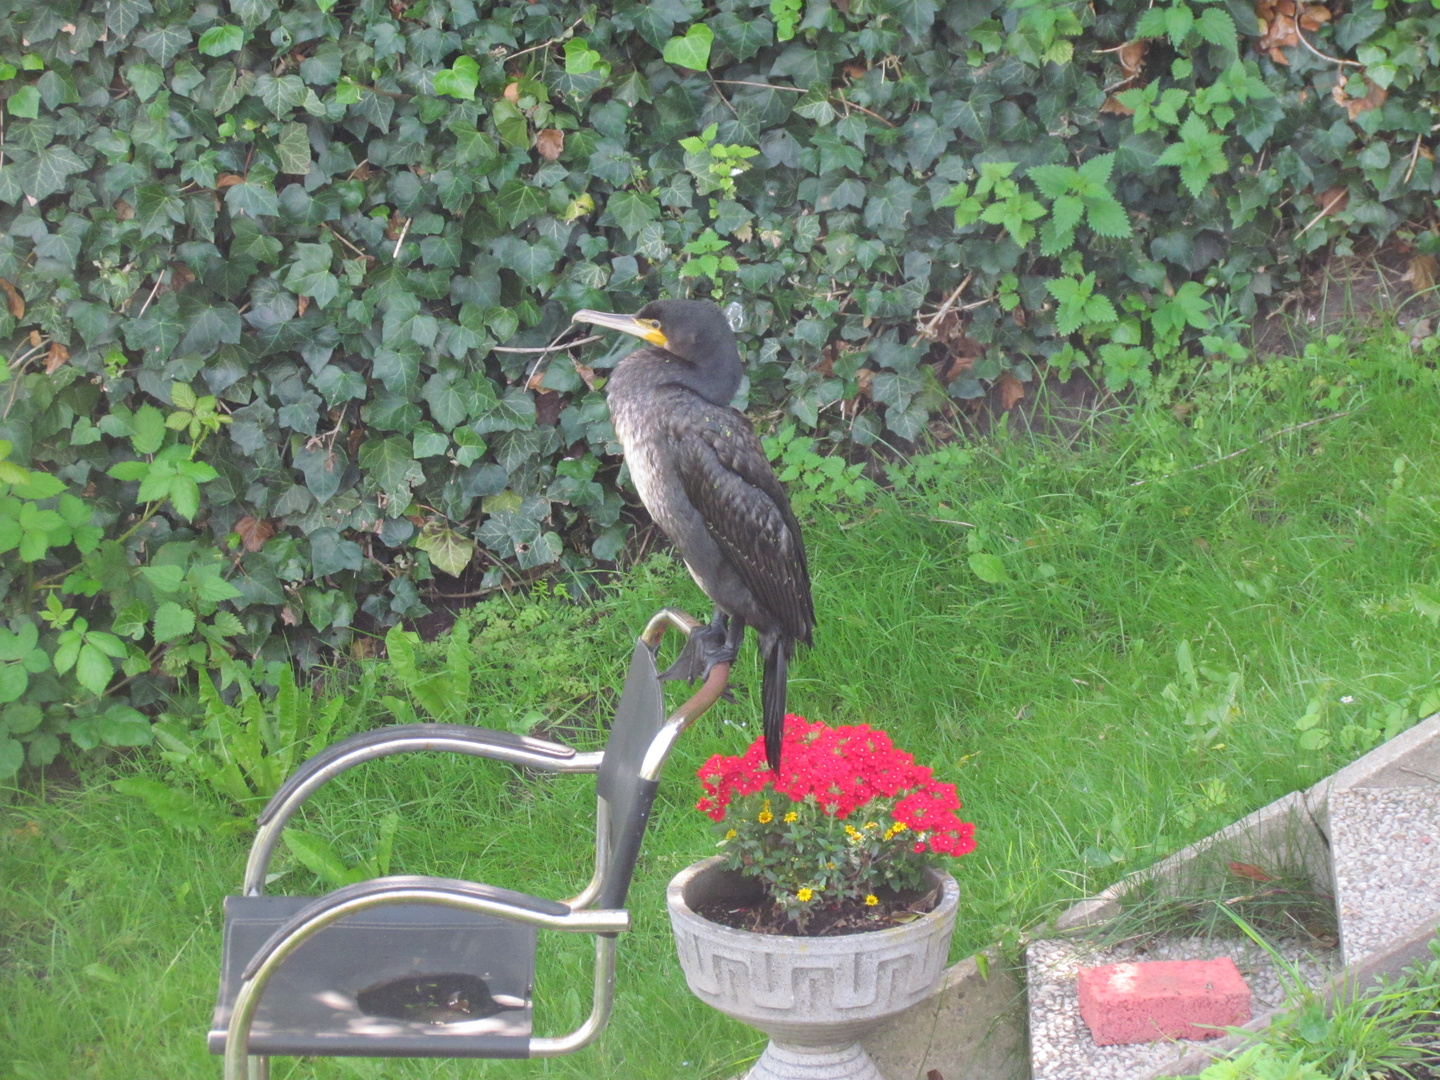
764,916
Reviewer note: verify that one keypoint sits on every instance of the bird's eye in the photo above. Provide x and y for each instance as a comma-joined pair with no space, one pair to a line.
652,324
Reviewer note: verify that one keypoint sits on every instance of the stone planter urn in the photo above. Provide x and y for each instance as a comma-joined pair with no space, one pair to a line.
816,997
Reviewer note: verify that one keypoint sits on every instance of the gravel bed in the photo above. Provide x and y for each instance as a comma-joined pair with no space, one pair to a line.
1060,1044
1386,847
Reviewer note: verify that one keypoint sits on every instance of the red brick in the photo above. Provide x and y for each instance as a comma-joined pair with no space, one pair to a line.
1162,999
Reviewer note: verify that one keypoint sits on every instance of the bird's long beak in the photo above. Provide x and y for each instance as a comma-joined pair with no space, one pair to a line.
645,329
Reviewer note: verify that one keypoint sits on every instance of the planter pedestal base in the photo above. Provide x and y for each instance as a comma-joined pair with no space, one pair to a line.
781,1062
816,997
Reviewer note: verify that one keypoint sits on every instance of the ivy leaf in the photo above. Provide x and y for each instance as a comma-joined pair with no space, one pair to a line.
916,16
45,173
517,201
330,553
279,95
122,16
632,211
24,102
165,43
743,36
460,80
692,50
449,551
213,326
218,40
389,466
253,198
292,149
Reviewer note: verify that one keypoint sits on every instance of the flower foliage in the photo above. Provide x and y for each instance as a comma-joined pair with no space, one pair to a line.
861,816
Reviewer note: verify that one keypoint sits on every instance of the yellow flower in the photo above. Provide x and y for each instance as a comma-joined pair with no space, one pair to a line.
854,833
804,895
731,835
765,817
829,866
899,826
871,900
872,824
791,816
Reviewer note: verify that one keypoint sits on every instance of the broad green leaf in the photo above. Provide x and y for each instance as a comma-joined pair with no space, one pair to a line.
220,40
389,466
148,427
632,211
449,551
692,50
24,102
165,43
215,325
989,568
93,669
292,149
460,80
47,171
173,621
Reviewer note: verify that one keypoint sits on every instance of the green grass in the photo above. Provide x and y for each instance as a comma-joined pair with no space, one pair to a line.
1050,691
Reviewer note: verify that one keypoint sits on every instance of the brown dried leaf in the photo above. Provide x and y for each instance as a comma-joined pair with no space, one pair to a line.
1249,870
550,141
13,299
254,532
587,374
1374,97
1314,16
512,92
123,210
288,616
363,648
1333,199
301,305
864,379
1116,107
56,357
1011,389
1422,272
228,179
35,339
855,69
1132,57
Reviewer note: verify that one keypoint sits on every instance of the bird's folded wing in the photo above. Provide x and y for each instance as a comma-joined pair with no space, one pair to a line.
729,480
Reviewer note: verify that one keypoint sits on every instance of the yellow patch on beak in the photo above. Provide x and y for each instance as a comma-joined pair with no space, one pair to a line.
645,329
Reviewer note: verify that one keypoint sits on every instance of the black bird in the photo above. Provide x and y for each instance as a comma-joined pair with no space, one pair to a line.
702,474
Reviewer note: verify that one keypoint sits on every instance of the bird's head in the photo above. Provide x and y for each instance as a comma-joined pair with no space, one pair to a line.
693,330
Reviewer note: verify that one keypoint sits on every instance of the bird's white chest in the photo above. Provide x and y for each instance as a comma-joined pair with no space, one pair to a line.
643,458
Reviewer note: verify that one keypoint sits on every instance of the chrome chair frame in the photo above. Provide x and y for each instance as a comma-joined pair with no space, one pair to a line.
574,915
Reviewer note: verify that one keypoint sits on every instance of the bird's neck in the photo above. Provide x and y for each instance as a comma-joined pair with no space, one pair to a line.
716,381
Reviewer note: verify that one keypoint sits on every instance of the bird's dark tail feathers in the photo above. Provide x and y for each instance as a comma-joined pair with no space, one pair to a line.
775,651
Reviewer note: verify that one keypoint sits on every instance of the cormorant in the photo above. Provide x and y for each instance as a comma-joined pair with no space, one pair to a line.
704,477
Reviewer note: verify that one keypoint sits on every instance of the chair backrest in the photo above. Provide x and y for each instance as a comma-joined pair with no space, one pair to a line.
638,719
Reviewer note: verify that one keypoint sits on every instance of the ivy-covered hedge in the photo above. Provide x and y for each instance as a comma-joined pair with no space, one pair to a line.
262,262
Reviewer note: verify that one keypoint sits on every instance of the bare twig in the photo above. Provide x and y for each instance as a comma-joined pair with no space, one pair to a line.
404,229
851,105
761,85
549,348
333,232
1252,446
928,330
721,94
568,31
1323,211
1295,18
160,277
1414,157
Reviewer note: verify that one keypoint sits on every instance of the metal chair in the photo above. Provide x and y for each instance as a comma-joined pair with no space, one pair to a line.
411,966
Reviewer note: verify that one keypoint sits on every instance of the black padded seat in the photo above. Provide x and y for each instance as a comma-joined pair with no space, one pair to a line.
458,983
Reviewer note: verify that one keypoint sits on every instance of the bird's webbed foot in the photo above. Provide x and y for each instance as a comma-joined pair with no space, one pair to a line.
716,643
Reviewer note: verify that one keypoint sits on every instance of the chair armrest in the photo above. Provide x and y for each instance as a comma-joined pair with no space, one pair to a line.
399,739
408,738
